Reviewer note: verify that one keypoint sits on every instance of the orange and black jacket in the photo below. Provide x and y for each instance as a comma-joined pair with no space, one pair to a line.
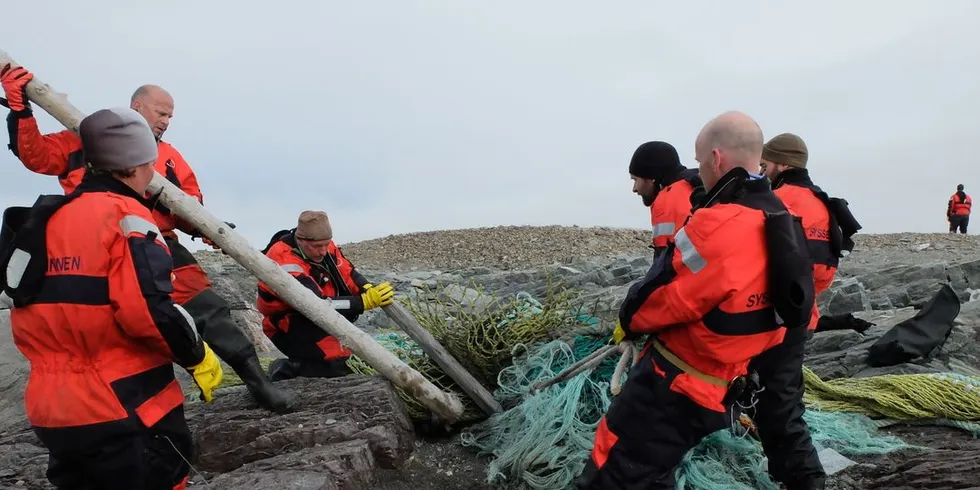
959,204
800,196
334,278
60,154
672,205
707,299
95,317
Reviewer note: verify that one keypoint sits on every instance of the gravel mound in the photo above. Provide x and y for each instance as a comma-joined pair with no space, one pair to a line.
520,247
501,247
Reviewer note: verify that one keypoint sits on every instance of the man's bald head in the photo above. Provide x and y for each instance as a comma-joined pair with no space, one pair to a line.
732,139
156,105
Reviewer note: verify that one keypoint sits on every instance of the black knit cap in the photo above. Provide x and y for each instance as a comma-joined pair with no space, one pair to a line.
654,160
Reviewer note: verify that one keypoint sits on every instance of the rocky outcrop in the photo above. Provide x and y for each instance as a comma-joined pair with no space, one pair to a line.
13,375
843,353
341,434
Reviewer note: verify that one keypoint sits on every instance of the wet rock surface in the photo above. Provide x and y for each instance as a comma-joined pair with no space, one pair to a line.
348,433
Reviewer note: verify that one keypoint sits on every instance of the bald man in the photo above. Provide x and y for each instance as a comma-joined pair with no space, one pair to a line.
60,154
709,305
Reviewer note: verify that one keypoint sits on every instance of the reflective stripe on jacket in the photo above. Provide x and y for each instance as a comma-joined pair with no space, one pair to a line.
102,333
709,302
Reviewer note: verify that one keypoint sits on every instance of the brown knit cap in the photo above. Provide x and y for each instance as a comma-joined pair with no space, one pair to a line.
787,149
313,225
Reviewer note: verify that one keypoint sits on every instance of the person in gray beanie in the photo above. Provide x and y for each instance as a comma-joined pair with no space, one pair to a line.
61,154
90,277
119,142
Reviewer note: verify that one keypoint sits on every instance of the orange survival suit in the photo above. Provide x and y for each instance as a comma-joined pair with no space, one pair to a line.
778,414
310,351
60,154
958,210
672,204
710,305
94,316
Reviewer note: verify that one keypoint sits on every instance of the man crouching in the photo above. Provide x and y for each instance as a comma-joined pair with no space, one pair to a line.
309,254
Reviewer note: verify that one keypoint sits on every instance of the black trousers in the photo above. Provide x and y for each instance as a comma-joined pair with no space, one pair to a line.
152,459
647,431
778,414
211,312
958,222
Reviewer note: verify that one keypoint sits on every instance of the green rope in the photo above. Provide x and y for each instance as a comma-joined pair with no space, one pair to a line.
901,397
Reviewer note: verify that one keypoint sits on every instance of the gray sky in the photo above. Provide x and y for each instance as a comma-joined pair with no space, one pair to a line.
409,116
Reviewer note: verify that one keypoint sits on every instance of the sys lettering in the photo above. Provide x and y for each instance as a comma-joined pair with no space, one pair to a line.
64,264
758,299
817,234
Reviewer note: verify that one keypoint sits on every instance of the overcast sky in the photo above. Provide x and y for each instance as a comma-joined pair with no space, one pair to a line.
408,116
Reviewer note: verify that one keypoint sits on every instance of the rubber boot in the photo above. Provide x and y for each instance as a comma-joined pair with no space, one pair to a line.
266,393
216,326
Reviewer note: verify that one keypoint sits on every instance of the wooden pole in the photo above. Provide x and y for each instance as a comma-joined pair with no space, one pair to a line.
445,405
404,319
589,362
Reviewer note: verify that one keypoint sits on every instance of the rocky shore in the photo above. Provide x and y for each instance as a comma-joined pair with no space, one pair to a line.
883,281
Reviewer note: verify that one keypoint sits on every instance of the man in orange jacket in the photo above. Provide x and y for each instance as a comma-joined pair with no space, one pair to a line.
779,412
60,154
709,304
309,254
666,187
89,274
958,210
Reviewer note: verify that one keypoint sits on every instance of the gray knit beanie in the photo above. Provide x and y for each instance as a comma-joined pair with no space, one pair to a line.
117,139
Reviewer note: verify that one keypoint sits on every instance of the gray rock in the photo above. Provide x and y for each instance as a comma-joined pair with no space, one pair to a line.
14,369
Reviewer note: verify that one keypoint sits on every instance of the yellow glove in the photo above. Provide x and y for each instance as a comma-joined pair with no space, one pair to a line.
207,374
618,333
367,286
380,295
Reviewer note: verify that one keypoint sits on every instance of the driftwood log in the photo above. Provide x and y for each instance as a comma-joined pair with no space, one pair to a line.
404,319
446,405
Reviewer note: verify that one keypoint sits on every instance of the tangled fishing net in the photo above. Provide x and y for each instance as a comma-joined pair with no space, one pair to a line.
542,440
480,331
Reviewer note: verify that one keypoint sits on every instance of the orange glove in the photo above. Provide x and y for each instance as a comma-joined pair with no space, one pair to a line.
14,81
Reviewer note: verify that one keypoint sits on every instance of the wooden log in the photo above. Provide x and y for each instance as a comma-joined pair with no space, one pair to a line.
446,405
404,319
589,362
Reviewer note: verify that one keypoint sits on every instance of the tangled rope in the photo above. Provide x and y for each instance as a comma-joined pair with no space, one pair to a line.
481,334
544,440
899,397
